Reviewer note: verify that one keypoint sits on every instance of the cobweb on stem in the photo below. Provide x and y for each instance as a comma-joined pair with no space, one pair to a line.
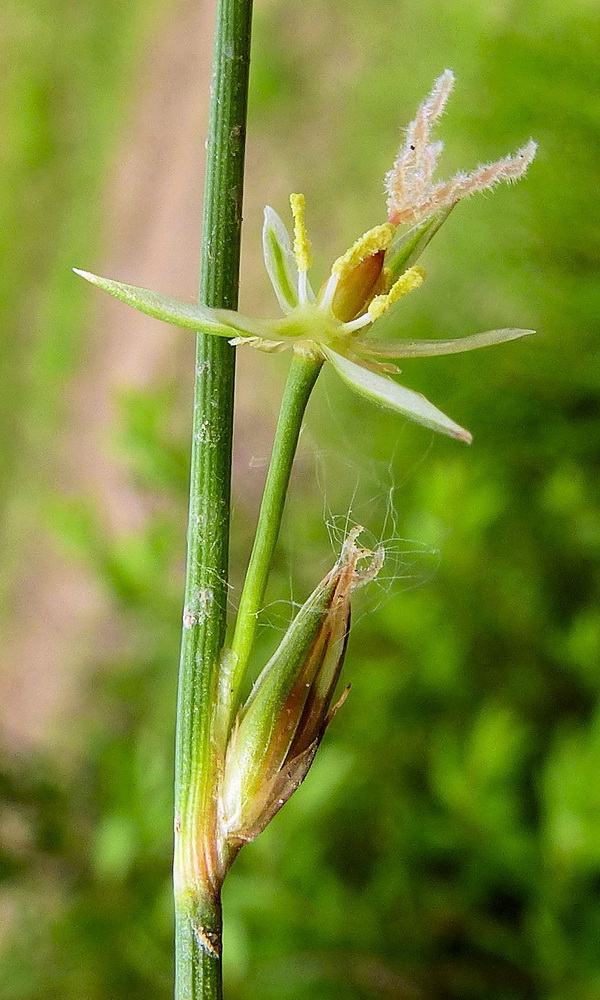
372,494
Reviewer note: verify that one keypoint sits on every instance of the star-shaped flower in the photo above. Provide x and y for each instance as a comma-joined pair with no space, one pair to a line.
365,283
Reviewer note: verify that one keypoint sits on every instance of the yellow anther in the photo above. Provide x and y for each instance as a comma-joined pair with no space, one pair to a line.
407,282
370,243
302,251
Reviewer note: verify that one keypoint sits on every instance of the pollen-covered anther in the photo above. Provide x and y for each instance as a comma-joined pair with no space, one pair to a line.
407,282
302,247
371,242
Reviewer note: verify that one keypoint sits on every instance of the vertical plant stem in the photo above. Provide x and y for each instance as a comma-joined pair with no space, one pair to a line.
301,379
196,870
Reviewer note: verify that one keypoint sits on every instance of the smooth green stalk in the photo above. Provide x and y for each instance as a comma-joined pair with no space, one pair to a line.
301,379
196,875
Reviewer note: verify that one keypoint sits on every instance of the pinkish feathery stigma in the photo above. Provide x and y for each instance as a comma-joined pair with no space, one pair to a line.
412,195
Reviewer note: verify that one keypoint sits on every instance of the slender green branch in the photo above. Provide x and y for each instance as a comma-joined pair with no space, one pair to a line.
197,883
301,379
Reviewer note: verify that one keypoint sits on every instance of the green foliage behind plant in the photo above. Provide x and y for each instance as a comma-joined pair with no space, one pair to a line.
446,842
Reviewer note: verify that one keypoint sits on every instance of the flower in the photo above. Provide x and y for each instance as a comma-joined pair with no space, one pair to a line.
365,282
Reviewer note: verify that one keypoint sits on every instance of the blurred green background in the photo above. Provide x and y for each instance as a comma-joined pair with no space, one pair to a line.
447,842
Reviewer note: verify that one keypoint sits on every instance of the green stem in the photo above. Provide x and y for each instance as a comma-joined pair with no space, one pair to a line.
301,379
198,936
196,870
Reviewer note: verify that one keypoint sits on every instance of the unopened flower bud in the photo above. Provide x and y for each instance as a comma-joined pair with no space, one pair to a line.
278,732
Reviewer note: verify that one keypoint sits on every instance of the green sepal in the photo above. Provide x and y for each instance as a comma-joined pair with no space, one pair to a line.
431,348
385,392
279,260
190,316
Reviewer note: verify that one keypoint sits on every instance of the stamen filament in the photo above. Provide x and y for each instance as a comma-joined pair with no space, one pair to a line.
329,291
357,324
302,288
